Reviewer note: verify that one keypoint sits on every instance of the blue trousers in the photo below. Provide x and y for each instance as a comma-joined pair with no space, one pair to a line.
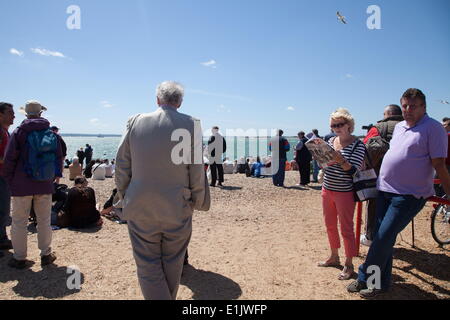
394,213
278,178
316,170
5,205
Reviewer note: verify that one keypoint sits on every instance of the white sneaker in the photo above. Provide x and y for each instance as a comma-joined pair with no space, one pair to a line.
364,241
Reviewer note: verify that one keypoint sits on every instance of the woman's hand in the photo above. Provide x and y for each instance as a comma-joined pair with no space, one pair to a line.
338,158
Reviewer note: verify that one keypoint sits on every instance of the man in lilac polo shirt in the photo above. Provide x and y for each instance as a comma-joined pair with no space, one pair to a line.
418,147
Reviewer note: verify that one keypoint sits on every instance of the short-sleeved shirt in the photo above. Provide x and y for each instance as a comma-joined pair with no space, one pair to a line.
335,178
406,167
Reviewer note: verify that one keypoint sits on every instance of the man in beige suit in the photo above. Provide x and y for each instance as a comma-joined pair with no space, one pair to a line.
161,180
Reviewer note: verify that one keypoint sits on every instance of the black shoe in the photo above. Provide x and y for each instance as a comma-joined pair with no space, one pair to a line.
48,259
6,245
212,185
220,184
356,286
17,264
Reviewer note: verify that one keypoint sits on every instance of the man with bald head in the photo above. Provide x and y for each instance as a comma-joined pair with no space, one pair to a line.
160,187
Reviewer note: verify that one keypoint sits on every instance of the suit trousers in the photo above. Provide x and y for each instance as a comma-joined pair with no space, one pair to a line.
159,257
305,172
21,207
216,167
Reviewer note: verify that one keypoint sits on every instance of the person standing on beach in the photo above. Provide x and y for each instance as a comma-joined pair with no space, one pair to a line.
303,158
338,201
88,154
279,146
380,134
33,161
315,165
417,150
6,120
160,185
55,130
81,156
217,146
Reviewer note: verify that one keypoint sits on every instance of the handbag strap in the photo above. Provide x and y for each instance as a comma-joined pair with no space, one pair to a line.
369,160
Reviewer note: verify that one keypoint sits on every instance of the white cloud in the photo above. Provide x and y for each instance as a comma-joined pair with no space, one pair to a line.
210,63
222,108
106,104
349,76
290,109
47,53
16,52
94,121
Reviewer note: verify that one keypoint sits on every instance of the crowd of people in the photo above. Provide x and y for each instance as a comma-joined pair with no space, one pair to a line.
406,140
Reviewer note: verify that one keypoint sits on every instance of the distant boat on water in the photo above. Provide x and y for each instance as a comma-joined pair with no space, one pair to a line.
100,136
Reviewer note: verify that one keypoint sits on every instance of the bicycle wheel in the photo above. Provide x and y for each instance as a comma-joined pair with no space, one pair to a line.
440,224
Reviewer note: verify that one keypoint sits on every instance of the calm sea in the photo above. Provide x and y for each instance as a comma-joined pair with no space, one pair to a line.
237,147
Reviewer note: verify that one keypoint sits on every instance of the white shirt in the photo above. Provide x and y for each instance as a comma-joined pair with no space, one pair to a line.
98,171
109,170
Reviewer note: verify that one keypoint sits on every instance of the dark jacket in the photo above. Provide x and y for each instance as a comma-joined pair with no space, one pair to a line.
303,155
212,152
16,154
80,207
283,146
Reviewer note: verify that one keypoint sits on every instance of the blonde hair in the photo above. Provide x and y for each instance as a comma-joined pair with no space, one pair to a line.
343,113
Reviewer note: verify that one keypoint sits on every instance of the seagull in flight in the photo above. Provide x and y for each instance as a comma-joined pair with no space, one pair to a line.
341,18
444,101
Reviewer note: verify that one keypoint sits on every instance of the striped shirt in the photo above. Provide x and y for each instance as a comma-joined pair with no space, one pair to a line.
335,178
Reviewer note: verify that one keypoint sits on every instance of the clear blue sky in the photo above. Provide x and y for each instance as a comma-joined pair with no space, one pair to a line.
269,55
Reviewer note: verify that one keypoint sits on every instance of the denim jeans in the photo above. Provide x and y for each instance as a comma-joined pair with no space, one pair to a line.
278,178
316,170
394,213
5,205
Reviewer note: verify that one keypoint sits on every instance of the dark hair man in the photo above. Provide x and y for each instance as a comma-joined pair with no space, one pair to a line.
418,146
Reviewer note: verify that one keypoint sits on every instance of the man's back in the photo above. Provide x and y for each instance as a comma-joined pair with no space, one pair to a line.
159,188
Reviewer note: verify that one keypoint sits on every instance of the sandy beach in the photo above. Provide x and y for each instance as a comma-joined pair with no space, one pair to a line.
256,242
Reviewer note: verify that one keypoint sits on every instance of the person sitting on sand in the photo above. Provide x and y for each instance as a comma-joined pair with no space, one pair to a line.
80,208
338,200
256,168
98,170
88,170
109,172
74,169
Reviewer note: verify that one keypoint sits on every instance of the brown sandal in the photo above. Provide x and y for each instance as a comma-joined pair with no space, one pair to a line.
346,273
329,263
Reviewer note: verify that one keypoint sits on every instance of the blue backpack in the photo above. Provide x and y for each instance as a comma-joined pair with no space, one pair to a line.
40,164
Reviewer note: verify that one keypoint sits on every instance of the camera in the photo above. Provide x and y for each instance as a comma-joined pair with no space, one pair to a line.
370,126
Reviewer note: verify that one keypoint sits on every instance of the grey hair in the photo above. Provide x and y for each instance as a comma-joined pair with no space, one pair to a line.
170,92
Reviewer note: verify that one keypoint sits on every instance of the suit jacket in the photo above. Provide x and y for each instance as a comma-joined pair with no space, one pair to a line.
157,192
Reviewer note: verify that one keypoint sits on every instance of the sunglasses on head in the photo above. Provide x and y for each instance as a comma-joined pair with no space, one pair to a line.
338,125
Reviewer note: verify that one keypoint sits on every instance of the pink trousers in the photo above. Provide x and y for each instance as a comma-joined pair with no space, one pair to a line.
339,206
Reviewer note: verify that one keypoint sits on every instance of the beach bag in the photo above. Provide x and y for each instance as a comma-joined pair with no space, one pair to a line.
365,181
40,162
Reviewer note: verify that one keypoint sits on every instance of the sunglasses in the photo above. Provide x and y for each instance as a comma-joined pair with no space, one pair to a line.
338,125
